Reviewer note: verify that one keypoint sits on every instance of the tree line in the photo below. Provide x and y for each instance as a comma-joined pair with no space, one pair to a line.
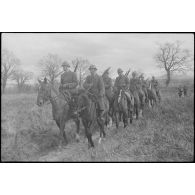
170,56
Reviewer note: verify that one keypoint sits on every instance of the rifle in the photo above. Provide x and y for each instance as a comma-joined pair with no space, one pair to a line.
127,73
76,67
106,71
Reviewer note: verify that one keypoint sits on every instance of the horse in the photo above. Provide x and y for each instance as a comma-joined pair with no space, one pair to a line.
61,109
139,97
121,108
157,91
87,110
152,97
144,88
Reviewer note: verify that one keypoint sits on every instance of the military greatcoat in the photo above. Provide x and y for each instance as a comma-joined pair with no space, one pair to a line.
69,81
121,82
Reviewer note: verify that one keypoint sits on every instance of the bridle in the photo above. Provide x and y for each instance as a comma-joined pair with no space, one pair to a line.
50,99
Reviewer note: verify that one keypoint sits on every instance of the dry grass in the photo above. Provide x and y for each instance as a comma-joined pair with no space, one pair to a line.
166,133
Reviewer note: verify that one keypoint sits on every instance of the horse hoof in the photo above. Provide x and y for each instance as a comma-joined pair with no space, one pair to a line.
90,146
77,138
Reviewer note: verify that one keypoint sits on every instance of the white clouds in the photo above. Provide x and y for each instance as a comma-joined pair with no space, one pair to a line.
104,49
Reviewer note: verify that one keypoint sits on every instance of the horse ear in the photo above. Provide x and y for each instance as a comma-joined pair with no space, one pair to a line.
39,81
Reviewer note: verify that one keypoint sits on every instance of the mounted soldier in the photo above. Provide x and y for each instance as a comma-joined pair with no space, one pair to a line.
155,84
123,99
122,82
134,90
68,84
133,82
95,86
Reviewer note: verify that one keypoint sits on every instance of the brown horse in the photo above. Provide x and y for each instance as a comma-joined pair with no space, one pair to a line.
121,108
88,111
60,108
152,97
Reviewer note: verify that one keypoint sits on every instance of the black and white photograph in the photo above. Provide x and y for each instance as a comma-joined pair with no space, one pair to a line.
97,97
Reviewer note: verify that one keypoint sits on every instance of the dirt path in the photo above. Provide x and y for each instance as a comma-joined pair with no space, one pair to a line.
119,145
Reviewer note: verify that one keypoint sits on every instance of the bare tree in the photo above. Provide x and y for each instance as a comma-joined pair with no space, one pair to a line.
9,62
172,58
21,77
50,66
82,67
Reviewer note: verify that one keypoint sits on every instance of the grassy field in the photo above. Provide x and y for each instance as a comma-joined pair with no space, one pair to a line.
166,133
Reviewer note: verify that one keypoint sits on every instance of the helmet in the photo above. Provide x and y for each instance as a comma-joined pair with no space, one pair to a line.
92,67
119,70
65,63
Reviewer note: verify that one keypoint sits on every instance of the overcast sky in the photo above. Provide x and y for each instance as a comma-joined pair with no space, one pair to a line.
122,50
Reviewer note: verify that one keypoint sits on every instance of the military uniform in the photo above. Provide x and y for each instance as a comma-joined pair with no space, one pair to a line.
133,84
122,82
69,82
136,89
95,85
68,85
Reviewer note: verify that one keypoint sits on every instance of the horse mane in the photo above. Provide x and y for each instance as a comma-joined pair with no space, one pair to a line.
54,89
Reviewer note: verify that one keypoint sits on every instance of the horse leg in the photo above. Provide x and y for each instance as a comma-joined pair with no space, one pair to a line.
159,96
106,120
62,132
116,119
131,116
77,121
137,112
125,118
87,126
102,131
110,122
